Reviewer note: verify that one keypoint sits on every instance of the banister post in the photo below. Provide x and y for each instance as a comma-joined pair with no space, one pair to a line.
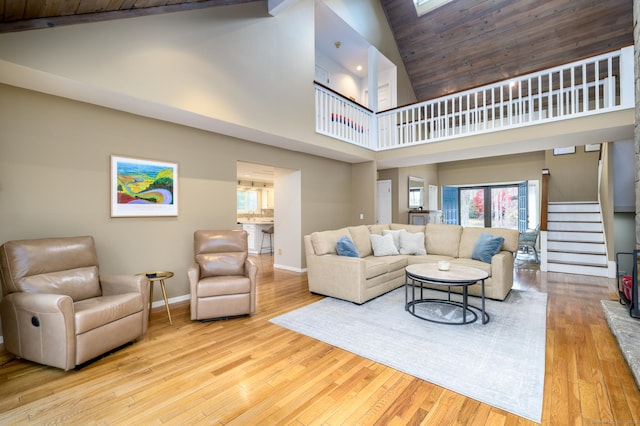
544,203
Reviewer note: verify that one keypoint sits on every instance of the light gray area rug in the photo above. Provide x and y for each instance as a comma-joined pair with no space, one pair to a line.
500,363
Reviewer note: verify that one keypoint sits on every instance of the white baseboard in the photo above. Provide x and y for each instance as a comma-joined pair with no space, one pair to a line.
171,300
289,268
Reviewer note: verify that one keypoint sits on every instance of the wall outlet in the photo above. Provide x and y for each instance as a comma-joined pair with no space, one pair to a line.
361,216
279,251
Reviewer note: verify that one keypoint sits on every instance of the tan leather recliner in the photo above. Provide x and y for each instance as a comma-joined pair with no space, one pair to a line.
223,278
56,308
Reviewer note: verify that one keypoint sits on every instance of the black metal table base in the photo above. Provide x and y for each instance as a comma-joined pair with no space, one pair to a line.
470,313
469,316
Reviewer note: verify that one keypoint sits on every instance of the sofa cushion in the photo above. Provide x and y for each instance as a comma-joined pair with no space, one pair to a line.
345,247
324,242
395,263
25,258
98,311
377,228
443,239
486,247
474,264
374,267
360,237
411,243
78,283
221,264
383,245
428,258
470,236
223,286
409,228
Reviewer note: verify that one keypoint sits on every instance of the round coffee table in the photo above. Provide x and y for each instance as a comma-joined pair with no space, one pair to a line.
456,276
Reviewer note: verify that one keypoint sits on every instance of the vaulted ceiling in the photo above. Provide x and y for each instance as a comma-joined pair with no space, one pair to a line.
469,43
463,44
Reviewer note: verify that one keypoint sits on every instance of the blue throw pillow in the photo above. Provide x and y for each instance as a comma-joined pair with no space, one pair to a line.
345,247
486,247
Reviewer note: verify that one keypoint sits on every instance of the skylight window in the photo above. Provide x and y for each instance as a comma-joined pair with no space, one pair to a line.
426,6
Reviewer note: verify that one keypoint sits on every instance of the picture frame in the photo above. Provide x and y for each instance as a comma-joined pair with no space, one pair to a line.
143,188
591,147
565,150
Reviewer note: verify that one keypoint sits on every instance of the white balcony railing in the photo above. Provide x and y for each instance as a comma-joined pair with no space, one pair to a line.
591,86
340,118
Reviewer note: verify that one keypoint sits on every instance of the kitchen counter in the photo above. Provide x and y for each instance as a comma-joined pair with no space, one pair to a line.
257,244
255,222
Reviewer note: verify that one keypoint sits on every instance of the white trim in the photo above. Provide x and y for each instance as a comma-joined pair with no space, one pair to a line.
289,268
612,269
425,6
171,300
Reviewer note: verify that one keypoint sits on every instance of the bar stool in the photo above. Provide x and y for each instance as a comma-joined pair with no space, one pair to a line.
268,231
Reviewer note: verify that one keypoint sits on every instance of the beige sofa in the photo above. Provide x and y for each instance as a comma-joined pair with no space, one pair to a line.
359,279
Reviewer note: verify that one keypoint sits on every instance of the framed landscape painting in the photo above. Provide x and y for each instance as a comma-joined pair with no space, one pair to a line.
142,187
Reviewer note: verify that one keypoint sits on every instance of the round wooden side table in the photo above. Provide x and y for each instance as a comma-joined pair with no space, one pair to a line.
158,276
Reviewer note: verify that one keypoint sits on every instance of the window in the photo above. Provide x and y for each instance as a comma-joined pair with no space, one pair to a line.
425,6
496,206
247,200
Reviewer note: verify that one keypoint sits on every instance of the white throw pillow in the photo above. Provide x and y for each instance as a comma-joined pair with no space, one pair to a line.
412,243
395,234
383,245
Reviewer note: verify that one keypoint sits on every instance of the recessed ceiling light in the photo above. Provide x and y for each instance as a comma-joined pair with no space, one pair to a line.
359,68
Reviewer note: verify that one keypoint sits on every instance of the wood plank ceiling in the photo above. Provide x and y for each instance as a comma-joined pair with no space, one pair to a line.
469,43
463,44
20,15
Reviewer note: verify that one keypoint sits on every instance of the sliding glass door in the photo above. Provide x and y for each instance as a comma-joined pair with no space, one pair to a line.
489,206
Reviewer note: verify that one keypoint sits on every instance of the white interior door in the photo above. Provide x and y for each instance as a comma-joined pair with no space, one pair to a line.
433,197
383,202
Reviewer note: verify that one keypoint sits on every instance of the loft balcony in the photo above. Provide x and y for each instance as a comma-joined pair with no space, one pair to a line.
592,86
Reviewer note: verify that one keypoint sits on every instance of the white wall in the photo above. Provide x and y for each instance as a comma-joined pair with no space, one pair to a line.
232,68
288,214
341,80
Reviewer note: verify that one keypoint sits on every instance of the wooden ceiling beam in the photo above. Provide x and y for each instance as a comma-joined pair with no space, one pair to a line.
18,16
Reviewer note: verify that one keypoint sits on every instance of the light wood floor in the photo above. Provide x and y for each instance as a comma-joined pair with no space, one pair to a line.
248,371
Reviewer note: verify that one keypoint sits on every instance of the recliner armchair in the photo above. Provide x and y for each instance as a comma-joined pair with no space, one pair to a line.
223,278
56,308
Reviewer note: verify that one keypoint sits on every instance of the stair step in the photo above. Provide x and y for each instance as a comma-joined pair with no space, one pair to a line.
577,258
575,239
597,271
575,226
576,247
575,236
574,217
593,265
590,207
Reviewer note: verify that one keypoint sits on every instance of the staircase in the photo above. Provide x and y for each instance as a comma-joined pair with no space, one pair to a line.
575,239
